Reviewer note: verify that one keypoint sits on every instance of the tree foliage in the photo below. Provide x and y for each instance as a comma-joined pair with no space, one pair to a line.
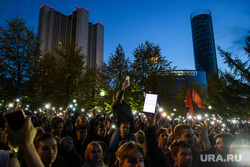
19,51
230,90
149,71
88,93
59,74
116,69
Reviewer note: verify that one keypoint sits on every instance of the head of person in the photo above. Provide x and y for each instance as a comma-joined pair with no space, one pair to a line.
46,146
81,132
69,125
184,133
115,96
181,153
124,128
56,125
93,154
102,130
223,142
67,143
162,136
34,120
39,131
44,120
140,137
83,119
241,128
131,154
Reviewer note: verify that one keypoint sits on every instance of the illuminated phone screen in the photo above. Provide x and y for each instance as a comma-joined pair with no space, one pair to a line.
150,103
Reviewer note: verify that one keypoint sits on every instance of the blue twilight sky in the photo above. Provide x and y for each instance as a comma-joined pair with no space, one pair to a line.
163,22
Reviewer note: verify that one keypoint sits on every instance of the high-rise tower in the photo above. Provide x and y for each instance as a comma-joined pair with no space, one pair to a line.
203,41
55,27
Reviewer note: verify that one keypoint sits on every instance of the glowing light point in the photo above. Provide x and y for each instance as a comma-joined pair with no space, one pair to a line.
164,114
160,109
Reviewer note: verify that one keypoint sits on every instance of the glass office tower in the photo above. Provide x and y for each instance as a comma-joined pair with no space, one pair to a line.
203,41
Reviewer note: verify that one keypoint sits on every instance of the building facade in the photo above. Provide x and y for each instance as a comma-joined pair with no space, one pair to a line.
55,28
203,41
186,78
198,77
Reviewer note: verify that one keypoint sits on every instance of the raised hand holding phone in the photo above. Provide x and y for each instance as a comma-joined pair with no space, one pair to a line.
15,119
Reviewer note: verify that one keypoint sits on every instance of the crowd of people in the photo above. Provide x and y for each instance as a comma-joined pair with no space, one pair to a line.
152,141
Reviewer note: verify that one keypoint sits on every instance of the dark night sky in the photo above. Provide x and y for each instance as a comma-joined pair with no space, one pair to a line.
163,22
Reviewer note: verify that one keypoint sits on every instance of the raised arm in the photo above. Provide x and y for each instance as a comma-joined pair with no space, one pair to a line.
119,96
154,153
203,135
24,138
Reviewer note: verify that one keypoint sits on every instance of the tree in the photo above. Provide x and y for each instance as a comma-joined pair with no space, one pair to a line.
150,69
45,83
114,73
19,51
59,74
71,65
116,69
230,90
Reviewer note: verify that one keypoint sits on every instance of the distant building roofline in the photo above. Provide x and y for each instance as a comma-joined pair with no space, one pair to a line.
46,5
200,12
98,23
80,8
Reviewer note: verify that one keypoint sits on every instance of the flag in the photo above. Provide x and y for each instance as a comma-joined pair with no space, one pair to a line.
191,111
188,99
197,100
189,103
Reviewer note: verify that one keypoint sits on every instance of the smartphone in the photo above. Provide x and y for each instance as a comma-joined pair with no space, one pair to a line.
150,103
15,119
128,79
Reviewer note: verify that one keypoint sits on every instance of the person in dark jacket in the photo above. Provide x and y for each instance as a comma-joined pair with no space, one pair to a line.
122,113
69,153
81,143
122,110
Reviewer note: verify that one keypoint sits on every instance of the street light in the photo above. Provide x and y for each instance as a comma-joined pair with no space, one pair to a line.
154,59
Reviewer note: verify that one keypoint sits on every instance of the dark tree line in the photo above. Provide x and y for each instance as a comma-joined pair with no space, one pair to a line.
229,91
